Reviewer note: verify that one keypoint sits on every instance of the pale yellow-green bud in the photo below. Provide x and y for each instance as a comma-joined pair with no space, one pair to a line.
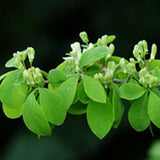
111,66
153,81
143,81
142,72
31,54
27,74
145,46
18,63
132,60
153,51
111,49
136,53
104,40
99,42
140,46
123,65
96,76
84,37
131,68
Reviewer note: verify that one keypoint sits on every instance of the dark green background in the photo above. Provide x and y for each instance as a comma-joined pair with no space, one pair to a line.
50,26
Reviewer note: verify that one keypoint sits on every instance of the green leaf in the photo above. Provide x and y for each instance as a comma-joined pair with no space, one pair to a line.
118,107
154,109
53,106
67,90
13,89
5,75
154,64
100,118
34,117
94,69
131,91
93,55
156,72
137,115
94,89
77,108
82,96
11,112
11,63
110,39
56,77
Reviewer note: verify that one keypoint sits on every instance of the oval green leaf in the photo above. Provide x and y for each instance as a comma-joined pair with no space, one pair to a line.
154,109
131,91
100,118
94,89
56,77
34,117
13,90
138,114
11,112
82,96
93,55
53,106
118,107
67,90
77,108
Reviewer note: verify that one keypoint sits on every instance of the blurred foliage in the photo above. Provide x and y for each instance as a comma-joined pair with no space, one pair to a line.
154,150
50,26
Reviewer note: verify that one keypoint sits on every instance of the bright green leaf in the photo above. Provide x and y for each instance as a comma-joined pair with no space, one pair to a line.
154,109
131,91
94,89
100,118
153,64
34,117
93,55
110,39
11,63
94,69
82,96
118,107
137,115
53,106
77,108
67,90
56,77
11,112
13,90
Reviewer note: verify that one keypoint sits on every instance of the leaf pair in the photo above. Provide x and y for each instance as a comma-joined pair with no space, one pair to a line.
138,114
50,107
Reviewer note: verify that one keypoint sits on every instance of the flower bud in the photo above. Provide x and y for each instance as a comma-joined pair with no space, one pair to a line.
140,46
18,63
153,81
153,51
111,66
136,52
96,76
123,65
145,46
131,68
104,40
132,60
111,49
142,72
143,81
84,37
23,55
31,54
